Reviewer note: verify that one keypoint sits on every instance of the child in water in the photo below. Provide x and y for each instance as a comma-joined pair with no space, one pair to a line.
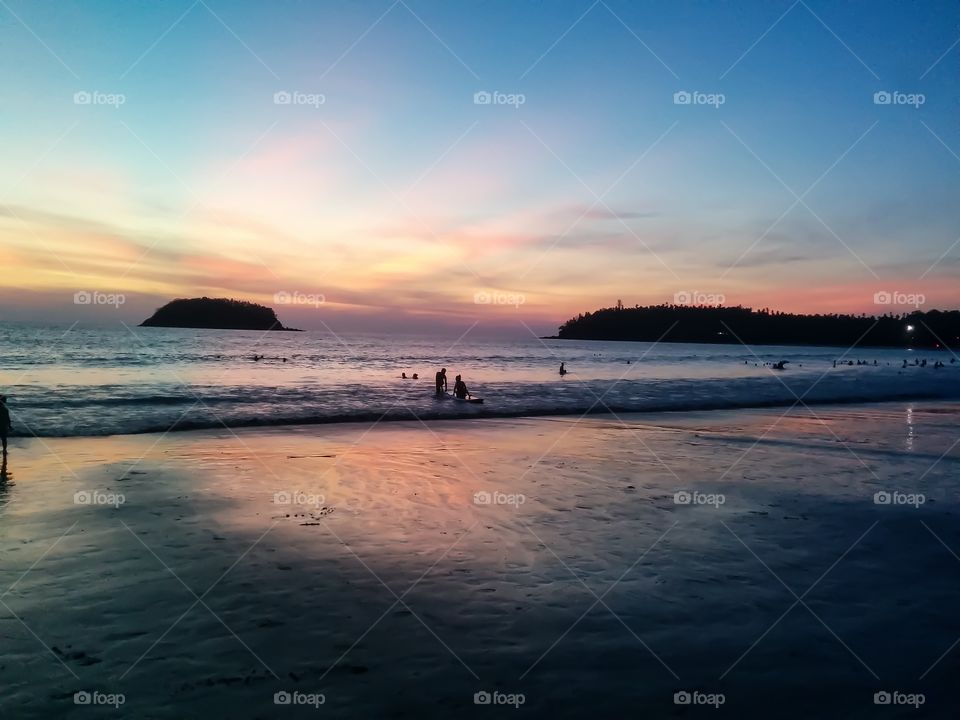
5,424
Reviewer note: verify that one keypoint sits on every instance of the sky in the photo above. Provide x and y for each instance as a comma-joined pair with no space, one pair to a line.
417,164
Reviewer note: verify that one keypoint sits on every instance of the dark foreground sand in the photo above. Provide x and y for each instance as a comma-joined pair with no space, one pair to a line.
583,589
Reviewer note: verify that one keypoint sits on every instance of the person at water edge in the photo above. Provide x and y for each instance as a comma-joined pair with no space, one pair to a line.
460,388
563,370
442,381
5,424
403,375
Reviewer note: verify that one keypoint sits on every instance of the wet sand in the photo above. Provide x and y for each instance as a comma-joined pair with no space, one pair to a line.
397,570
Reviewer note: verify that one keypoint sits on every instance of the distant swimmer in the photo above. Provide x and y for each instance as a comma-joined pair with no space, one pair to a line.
5,424
416,377
460,389
563,370
403,375
442,381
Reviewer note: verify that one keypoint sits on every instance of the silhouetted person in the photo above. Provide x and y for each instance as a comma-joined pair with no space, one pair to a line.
5,424
403,375
442,381
416,377
780,365
563,370
460,388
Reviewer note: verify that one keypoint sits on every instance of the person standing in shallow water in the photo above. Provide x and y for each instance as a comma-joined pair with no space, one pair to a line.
442,381
5,424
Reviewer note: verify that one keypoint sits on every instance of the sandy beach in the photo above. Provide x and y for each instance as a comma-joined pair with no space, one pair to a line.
566,568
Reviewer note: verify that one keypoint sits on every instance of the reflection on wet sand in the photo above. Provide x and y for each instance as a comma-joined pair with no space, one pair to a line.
402,569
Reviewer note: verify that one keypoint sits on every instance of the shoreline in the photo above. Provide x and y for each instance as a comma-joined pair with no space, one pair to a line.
608,409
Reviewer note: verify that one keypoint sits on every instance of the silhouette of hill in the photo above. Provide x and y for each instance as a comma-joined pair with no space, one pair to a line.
712,324
215,314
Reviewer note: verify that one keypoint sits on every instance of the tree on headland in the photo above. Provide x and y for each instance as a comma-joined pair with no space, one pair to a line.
718,324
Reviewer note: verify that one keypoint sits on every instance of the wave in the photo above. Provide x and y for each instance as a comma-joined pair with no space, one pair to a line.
151,418
408,415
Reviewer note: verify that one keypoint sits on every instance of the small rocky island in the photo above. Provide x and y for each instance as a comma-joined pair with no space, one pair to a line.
215,314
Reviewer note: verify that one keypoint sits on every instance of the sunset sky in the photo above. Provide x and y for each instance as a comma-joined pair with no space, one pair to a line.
149,151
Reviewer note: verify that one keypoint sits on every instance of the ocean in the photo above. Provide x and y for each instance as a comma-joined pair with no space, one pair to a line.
65,380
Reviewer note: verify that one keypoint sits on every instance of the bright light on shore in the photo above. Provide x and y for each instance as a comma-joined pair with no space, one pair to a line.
909,328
